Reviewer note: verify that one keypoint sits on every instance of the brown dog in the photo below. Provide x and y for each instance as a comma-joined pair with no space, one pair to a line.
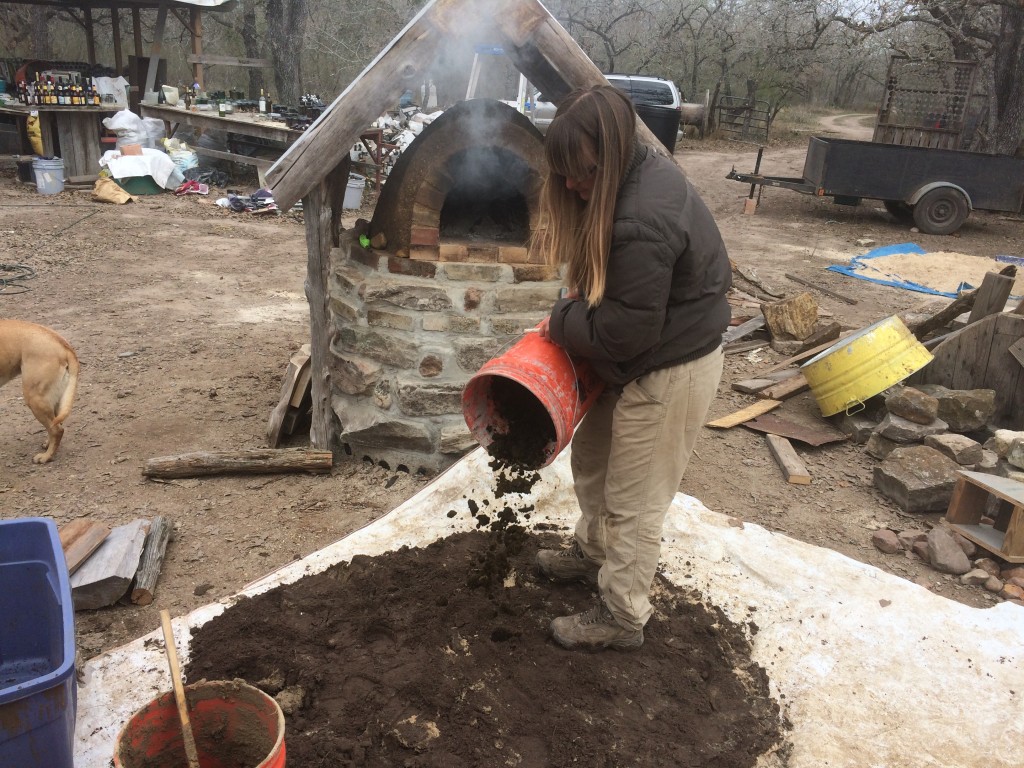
49,375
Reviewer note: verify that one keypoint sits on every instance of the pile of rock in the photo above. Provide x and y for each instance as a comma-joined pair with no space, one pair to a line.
948,552
924,434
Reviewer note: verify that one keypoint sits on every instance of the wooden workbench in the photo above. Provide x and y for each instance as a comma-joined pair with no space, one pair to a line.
244,124
71,133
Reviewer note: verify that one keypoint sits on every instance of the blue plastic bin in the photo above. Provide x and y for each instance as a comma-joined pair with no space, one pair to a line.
38,690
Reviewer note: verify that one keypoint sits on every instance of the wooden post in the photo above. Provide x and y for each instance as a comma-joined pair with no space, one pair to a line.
321,209
115,30
137,34
197,45
90,37
155,50
992,295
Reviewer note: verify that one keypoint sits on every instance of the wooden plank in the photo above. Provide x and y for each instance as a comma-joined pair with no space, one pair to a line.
251,461
751,386
972,359
784,455
987,537
822,289
1003,373
744,414
1017,350
105,577
967,504
738,347
992,296
1013,541
743,329
227,61
786,389
260,162
151,561
302,381
79,539
299,362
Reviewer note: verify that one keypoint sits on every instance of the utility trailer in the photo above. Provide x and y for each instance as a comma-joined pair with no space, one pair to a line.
936,189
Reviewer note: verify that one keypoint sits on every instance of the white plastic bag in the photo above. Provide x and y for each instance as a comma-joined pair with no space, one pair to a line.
129,128
154,132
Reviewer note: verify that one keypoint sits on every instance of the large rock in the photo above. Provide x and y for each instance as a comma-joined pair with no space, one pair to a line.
965,410
791,319
913,405
1016,453
879,447
944,552
1001,441
959,448
905,431
917,478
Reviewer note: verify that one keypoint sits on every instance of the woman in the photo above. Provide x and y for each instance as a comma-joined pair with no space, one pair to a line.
647,274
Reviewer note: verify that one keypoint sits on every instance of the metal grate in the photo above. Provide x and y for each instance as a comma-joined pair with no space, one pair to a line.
925,103
743,119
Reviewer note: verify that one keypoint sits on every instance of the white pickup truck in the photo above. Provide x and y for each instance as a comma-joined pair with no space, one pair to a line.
642,89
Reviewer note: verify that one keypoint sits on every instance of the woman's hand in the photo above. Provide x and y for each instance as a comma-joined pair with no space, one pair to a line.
542,329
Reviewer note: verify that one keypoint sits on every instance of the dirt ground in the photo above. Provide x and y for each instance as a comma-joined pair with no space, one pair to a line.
184,316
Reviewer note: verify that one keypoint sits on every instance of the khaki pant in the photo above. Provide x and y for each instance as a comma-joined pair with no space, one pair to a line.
628,458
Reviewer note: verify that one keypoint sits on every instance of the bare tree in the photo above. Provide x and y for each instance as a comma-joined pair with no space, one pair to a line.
286,27
990,32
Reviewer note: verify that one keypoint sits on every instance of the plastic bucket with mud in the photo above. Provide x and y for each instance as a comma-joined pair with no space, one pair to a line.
524,404
235,725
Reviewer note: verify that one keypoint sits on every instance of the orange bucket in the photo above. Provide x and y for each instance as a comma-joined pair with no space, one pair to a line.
235,726
523,405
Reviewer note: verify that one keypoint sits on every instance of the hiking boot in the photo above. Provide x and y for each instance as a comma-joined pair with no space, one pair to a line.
567,564
595,629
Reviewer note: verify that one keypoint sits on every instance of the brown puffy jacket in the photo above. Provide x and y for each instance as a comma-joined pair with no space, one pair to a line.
668,273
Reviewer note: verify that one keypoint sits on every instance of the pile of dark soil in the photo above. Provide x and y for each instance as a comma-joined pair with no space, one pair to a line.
396,661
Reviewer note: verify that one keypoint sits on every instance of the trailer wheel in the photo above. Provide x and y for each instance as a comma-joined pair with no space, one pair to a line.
941,211
899,210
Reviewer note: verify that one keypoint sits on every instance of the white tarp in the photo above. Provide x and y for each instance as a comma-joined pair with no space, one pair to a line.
871,670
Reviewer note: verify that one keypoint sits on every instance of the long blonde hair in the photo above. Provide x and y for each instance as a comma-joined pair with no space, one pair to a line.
592,125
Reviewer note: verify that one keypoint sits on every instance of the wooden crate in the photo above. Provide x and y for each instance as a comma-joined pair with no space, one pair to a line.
1005,537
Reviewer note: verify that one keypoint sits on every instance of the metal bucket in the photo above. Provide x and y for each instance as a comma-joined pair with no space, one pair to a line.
861,366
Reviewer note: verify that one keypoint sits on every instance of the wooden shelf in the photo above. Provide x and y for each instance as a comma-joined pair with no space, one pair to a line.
1005,537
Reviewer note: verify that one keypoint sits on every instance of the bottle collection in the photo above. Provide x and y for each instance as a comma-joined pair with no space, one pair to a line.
44,91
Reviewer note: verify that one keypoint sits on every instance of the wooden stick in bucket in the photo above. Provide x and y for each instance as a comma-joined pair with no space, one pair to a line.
191,752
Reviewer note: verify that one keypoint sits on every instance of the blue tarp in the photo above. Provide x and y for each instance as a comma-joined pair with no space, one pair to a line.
853,270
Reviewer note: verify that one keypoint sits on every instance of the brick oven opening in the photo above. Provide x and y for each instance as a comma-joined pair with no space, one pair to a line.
467,189
486,200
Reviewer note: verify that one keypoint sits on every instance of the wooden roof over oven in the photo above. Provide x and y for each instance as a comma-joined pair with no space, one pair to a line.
536,43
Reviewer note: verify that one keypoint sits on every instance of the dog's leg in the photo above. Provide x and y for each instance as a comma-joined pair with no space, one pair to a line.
42,395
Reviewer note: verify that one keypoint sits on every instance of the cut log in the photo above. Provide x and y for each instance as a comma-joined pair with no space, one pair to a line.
79,539
152,560
794,469
791,319
744,414
824,332
253,462
105,577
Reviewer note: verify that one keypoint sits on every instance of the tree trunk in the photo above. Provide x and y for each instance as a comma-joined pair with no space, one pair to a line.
42,47
254,48
1008,66
286,27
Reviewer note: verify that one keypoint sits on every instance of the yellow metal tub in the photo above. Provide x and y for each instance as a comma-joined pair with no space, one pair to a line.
863,365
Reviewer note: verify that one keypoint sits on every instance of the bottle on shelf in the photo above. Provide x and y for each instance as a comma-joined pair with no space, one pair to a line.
263,102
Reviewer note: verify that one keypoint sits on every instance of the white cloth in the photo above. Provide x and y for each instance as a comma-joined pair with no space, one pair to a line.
152,162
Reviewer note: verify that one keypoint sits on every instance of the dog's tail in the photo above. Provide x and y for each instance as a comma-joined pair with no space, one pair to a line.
67,397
